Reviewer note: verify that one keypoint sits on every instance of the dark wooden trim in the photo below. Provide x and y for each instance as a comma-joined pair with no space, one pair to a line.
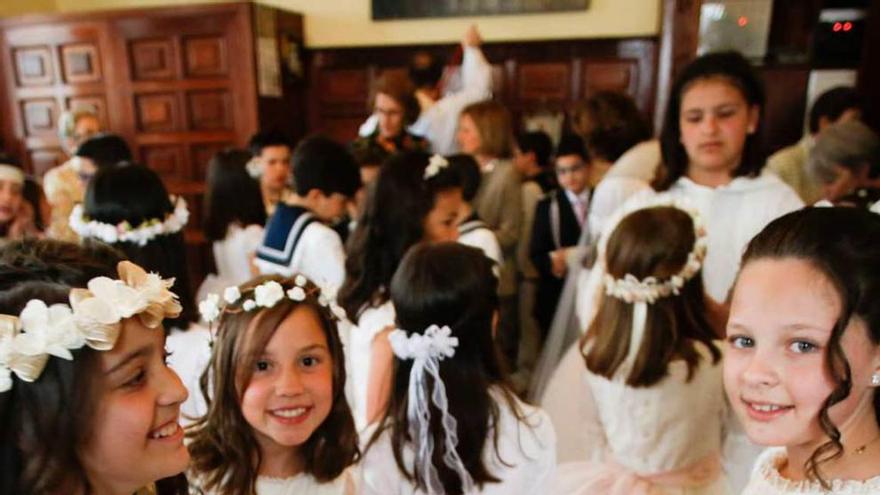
679,38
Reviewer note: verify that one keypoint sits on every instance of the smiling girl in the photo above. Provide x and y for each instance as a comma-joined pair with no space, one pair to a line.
802,367
277,418
87,402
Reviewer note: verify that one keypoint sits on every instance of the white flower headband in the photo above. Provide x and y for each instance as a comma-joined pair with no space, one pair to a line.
640,293
265,295
427,350
92,319
124,232
435,164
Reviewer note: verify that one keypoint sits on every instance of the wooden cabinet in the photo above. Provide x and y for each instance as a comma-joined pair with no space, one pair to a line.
178,84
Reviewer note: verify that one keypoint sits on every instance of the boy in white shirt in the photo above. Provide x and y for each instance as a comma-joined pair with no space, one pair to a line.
297,239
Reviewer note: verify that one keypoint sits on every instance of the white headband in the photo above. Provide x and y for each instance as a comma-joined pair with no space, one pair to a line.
125,232
427,350
11,173
265,295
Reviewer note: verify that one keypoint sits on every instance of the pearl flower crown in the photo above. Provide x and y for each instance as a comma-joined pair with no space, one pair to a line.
124,231
263,296
648,290
93,318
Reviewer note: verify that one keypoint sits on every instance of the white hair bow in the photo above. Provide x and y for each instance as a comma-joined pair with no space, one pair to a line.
427,350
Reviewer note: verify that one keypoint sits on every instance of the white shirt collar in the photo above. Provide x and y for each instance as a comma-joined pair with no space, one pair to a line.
573,198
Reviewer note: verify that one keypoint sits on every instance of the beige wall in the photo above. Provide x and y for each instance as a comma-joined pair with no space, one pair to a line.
348,23
19,7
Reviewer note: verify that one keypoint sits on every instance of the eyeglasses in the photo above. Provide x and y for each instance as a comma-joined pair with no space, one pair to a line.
569,170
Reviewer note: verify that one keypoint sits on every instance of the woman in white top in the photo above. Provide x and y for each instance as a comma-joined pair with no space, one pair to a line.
802,364
415,198
452,425
653,419
234,219
711,158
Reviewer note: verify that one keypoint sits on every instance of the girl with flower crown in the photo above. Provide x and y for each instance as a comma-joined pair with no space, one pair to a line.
453,425
87,402
802,361
415,198
654,412
128,207
277,420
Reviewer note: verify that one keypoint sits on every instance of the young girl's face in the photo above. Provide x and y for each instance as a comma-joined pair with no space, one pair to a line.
715,120
775,369
136,438
10,200
291,390
440,223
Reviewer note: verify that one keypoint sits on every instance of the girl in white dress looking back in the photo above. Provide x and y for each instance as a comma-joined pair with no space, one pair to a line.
277,420
802,366
453,426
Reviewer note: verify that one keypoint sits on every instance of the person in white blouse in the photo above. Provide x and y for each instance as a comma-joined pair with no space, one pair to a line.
234,219
452,425
711,157
802,361
438,119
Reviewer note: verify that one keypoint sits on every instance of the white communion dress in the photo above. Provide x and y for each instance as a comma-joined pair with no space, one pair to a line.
665,439
766,480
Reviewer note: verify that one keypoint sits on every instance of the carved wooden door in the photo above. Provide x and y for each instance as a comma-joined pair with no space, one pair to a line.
53,68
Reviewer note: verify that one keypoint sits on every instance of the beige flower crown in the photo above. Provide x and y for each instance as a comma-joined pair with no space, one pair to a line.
93,318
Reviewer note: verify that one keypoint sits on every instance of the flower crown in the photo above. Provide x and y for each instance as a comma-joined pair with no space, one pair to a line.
93,318
266,295
124,232
650,289
427,350
435,164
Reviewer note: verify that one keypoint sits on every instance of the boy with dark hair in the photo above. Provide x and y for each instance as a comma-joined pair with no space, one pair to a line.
271,165
559,218
840,104
297,240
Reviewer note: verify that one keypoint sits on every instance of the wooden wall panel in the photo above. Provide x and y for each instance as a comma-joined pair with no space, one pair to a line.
527,77
152,59
81,63
33,66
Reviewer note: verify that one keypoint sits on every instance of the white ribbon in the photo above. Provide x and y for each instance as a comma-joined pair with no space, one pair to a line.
427,351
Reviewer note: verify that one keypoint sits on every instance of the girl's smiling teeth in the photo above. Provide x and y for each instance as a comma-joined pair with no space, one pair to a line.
292,412
170,429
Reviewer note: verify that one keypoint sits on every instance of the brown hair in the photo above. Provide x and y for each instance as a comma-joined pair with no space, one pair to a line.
224,451
398,87
652,242
494,125
841,243
609,123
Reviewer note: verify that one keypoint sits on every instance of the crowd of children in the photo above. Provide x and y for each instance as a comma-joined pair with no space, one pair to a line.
377,312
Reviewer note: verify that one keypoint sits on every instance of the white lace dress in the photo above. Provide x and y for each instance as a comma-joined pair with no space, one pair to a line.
660,440
766,480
